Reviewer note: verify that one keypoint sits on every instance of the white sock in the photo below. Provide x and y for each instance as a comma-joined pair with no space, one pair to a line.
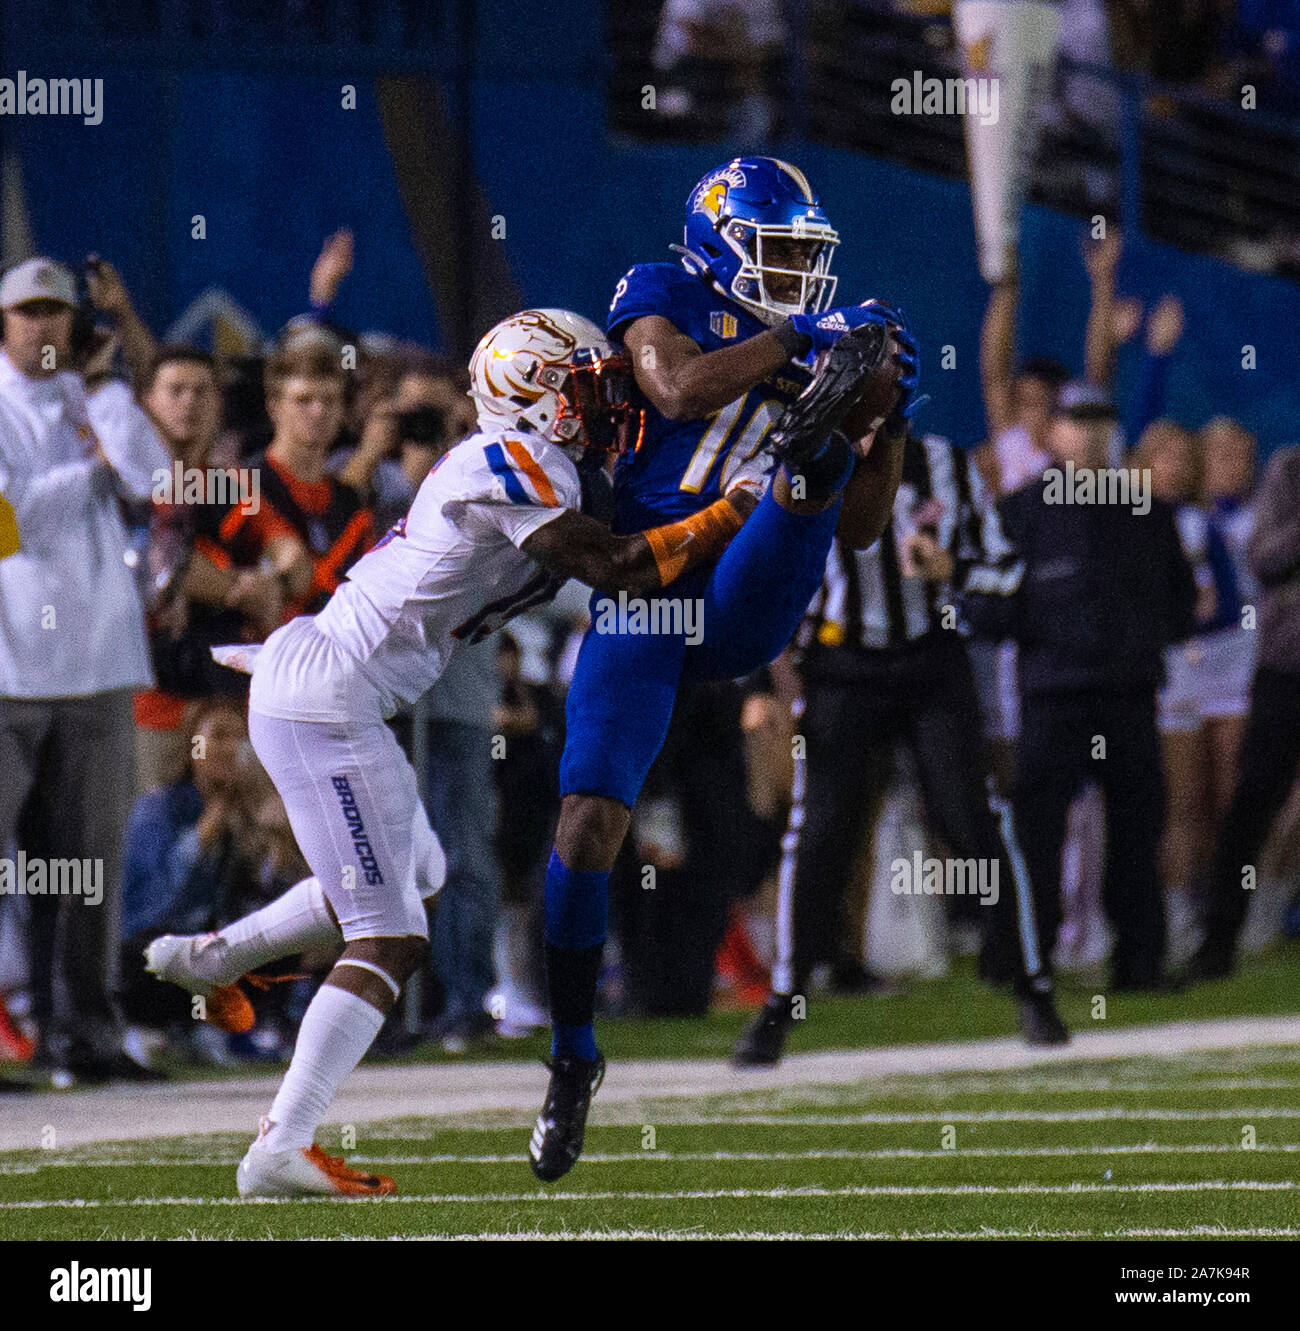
294,922
337,1029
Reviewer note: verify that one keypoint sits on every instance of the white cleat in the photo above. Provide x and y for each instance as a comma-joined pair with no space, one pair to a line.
304,1172
180,959
172,957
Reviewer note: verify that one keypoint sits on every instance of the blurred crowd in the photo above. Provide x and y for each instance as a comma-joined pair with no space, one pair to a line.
1213,86
281,470
728,53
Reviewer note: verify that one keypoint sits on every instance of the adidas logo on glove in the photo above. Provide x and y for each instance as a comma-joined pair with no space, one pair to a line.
834,320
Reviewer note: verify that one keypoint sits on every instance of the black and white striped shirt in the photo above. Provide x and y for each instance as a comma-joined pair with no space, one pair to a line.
867,597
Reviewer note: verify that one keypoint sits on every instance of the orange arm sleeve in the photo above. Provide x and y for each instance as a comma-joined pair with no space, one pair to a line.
694,540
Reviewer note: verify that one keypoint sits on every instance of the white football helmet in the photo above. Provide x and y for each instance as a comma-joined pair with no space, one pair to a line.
557,372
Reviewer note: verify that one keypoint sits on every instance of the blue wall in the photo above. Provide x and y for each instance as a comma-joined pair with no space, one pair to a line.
272,163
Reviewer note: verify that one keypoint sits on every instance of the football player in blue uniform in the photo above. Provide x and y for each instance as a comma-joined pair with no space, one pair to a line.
744,364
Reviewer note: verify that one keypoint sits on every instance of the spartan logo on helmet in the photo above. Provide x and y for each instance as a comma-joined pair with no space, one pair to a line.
758,233
558,373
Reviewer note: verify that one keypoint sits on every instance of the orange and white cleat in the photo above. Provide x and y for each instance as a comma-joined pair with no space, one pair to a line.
304,1172
179,959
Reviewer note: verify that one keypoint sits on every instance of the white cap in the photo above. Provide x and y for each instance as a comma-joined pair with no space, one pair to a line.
37,279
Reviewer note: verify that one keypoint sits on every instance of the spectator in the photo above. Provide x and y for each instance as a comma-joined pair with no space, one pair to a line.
234,569
1091,635
1172,457
720,59
305,387
1228,452
108,294
431,412
1162,333
1018,406
1270,747
190,855
72,651
1264,49
1018,402
694,825
179,390
462,807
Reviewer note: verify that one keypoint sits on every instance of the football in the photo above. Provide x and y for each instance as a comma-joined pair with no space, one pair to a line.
880,394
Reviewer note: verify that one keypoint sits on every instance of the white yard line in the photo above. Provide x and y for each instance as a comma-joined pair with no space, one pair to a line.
1102,1114
449,1091
674,1195
90,1159
1048,1084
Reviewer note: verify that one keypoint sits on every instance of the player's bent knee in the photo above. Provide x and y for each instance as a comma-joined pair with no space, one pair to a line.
591,830
392,959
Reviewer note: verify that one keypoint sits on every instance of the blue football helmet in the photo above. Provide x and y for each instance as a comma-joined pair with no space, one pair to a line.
756,231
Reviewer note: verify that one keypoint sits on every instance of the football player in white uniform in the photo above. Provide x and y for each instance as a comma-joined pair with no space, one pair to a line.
495,528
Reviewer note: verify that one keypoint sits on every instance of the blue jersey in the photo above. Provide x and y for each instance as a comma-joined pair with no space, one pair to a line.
681,466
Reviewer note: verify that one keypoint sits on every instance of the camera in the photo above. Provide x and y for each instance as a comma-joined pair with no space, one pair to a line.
422,425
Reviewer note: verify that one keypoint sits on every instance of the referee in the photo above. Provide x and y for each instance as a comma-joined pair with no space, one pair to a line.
881,662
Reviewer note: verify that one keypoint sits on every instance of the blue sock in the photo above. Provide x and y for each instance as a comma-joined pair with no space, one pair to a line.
574,1041
577,913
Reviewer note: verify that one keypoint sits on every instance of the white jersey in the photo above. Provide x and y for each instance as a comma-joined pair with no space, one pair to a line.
450,572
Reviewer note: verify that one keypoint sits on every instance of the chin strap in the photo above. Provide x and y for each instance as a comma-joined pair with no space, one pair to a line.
698,267
694,265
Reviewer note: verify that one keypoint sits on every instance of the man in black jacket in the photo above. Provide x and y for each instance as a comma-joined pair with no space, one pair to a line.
1093,585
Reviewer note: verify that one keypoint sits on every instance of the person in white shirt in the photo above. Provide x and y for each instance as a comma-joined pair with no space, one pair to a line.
72,652
494,528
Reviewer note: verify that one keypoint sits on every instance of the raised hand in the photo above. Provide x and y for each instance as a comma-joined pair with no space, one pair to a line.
332,265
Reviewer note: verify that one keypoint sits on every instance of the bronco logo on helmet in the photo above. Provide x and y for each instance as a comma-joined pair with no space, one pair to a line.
558,373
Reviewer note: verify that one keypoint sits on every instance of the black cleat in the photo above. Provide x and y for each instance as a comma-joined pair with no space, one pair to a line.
799,438
1040,1023
556,1142
763,1040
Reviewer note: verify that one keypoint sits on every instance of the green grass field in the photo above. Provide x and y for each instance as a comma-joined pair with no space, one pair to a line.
1126,1149
1197,1145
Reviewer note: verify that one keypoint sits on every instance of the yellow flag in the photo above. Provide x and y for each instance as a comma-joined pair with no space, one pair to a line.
8,529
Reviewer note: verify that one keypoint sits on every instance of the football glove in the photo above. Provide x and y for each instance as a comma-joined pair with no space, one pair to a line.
825,329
